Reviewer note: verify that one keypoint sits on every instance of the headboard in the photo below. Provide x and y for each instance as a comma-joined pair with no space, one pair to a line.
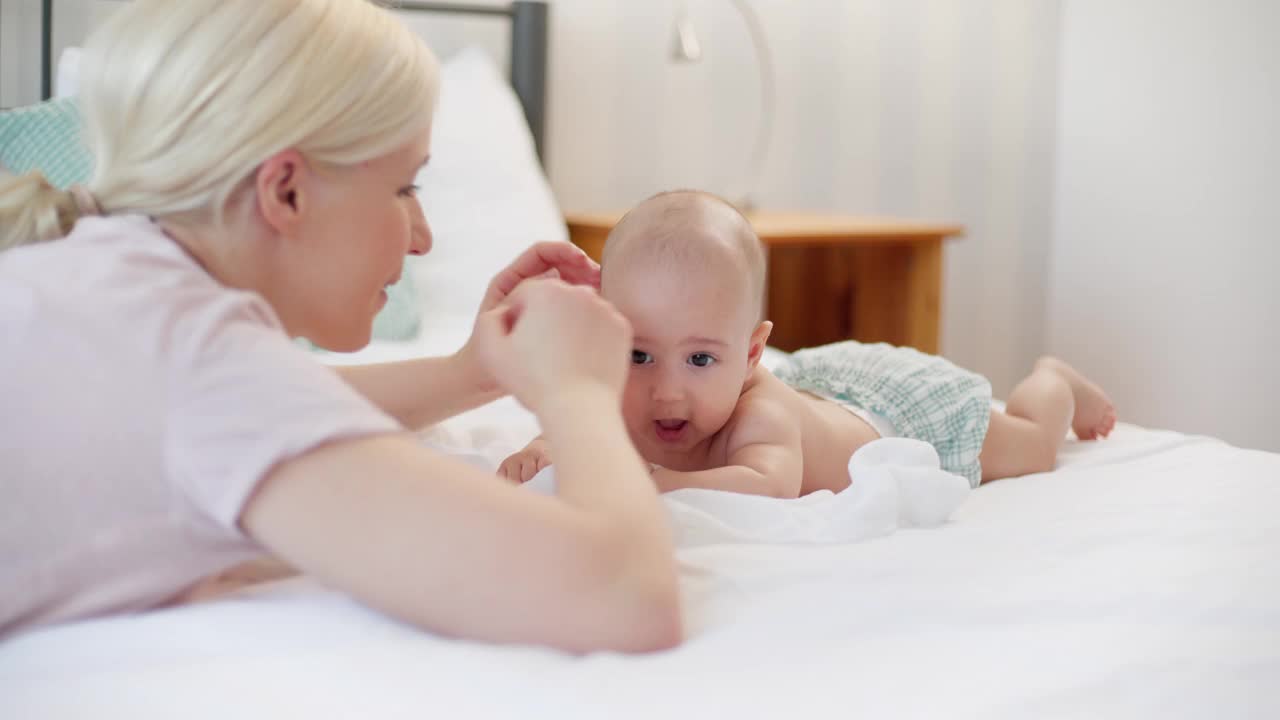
528,20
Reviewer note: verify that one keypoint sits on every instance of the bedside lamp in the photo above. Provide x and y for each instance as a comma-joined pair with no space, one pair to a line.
687,48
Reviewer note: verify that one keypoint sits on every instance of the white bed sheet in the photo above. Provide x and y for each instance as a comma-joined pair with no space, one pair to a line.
1138,580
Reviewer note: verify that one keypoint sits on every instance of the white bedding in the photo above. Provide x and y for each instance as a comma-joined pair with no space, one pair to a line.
896,483
1137,580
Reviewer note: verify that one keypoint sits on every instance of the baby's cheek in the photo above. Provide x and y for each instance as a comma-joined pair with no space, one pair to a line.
720,406
633,407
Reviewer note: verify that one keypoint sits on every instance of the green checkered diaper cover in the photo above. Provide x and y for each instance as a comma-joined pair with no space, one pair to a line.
924,396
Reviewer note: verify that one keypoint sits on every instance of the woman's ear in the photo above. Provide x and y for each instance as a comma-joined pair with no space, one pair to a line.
759,338
280,195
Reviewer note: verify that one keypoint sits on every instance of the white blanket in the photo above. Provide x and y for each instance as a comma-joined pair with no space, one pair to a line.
895,483
1139,580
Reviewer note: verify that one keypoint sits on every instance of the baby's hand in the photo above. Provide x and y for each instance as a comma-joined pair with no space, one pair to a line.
523,465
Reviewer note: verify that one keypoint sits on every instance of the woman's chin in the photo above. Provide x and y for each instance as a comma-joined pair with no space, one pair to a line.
345,342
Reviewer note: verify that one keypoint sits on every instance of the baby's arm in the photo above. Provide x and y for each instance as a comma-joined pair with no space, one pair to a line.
523,465
764,458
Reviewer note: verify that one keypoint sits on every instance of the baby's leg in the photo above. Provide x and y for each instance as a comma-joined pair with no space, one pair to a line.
1026,437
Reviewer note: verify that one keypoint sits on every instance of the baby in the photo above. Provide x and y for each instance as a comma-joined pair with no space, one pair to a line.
687,270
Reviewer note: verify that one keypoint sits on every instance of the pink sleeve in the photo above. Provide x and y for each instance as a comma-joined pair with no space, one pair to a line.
243,398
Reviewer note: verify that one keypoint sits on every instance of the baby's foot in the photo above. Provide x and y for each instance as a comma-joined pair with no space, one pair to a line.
1095,416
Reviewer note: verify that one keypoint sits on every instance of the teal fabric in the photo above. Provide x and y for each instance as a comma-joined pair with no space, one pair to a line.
46,137
402,316
924,396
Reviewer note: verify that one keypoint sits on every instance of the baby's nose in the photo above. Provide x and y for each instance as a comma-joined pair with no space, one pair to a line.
667,392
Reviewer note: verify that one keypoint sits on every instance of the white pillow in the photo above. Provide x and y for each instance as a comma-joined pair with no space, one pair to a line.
483,191
66,82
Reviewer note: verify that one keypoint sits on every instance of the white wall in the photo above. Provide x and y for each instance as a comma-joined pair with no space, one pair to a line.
1162,117
919,108
19,45
1165,253
20,41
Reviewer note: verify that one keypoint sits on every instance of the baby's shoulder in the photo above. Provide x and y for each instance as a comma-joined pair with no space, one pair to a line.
763,414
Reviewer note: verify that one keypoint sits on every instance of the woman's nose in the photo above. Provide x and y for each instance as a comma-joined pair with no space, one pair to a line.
419,234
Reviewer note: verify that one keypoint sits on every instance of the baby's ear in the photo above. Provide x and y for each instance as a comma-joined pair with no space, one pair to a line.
759,338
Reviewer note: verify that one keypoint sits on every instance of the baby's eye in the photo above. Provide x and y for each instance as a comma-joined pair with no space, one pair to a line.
640,357
411,191
701,360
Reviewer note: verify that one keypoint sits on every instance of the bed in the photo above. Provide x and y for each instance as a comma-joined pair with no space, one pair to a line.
1138,579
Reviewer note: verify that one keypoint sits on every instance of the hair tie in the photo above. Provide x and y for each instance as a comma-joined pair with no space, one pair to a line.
85,202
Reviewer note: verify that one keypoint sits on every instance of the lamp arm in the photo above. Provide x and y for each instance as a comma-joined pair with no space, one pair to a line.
768,99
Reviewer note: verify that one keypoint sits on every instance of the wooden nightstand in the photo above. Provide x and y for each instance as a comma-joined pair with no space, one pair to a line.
835,277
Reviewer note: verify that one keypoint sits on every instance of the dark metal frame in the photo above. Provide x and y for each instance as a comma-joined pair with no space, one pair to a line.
528,51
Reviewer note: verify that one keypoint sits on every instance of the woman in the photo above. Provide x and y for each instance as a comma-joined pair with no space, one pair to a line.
254,162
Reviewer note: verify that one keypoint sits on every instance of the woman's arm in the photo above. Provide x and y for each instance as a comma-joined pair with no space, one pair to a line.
423,391
431,541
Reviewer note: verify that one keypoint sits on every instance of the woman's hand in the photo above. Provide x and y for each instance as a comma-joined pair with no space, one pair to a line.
549,338
544,260
427,390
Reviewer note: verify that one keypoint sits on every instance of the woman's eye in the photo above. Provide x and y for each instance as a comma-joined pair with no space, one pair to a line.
640,357
411,191
701,360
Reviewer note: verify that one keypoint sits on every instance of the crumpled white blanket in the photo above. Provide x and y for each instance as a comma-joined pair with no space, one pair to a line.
895,483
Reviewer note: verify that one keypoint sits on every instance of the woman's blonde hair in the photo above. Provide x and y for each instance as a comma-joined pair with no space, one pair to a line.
183,100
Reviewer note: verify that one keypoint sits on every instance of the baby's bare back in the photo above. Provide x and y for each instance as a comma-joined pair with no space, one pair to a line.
829,433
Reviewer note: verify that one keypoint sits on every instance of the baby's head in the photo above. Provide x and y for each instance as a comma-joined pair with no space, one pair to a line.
688,271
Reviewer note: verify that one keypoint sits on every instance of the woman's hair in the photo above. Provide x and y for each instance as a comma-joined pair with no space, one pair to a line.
183,100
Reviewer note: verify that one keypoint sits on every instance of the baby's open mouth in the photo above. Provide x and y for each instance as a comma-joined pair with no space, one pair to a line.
670,430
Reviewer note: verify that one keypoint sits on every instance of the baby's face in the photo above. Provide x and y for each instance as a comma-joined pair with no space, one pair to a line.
689,363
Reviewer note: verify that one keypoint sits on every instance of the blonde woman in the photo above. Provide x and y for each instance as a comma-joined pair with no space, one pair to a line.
254,162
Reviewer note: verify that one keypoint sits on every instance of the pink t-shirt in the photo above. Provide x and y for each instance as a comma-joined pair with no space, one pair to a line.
140,404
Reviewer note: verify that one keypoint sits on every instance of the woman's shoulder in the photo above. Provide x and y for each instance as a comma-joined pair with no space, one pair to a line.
94,234
122,282
99,254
